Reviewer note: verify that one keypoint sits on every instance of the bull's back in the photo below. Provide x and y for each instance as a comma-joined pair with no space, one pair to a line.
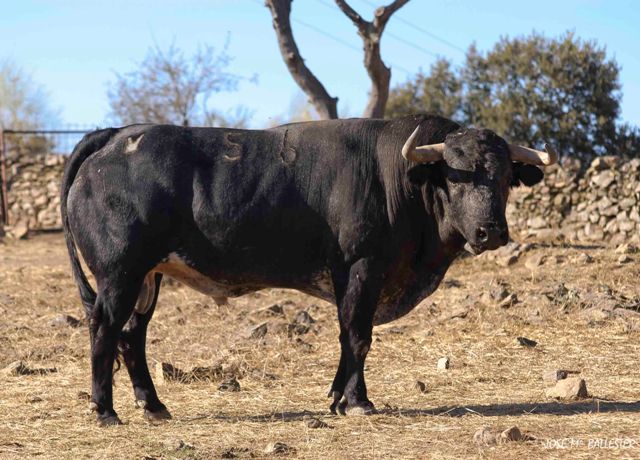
228,201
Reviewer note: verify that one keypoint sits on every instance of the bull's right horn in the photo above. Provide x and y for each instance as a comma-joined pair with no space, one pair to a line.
421,153
533,156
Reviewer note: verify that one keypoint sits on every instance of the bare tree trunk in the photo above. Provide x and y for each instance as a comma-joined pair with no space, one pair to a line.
325,105
371,33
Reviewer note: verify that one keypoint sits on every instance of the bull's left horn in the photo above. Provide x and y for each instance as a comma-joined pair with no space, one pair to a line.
533,156
421,153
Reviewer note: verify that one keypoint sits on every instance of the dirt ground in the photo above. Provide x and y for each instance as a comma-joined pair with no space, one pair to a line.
583,314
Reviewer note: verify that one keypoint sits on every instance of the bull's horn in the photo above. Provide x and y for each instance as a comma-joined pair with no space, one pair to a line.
421,153
532,156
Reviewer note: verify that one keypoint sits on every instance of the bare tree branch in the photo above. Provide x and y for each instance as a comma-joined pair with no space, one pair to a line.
371,33
325,105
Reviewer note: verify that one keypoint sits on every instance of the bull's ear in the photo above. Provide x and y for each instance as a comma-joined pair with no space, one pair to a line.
524,174
426,172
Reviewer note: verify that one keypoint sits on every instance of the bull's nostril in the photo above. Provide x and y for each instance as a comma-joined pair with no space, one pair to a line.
504,235
482,235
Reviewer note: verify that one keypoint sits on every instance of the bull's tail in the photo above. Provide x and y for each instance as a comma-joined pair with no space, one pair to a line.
89,144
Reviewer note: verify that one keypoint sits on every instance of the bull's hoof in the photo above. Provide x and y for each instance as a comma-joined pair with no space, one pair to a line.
108,420
363,408
337,397
157,416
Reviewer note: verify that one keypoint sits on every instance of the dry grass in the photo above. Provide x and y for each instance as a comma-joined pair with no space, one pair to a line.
493,380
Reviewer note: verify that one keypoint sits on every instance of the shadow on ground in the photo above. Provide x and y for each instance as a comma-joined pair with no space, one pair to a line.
487,410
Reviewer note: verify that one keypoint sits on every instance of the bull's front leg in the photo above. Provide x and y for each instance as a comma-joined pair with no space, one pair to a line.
357,292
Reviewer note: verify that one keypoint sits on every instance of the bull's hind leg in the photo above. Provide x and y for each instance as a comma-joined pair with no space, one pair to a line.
133,348
116,299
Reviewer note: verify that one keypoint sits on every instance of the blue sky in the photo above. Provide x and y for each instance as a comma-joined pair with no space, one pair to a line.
74,47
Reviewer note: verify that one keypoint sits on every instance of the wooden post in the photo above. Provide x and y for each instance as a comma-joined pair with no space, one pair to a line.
4,207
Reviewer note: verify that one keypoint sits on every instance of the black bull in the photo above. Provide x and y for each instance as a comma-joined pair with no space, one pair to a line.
329,208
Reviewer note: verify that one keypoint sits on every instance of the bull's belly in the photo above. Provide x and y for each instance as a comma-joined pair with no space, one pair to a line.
393,302
318,284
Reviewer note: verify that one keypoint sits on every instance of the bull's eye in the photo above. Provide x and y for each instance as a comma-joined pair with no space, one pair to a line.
459,175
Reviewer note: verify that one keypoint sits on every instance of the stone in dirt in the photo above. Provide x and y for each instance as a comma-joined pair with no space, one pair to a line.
229,385
420,386
554,375
303,318
235,452
525,342
460,311
570,388
534,261
177,445
626,248
274,310
583,258
624,259
443,364
314,423
166,372
278,448
258,332
17,368
509,301
486,436
83,396
507,260
65,320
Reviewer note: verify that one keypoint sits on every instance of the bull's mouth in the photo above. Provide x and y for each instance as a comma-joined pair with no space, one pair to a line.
474,249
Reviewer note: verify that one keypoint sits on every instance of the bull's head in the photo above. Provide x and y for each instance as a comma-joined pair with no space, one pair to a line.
473,170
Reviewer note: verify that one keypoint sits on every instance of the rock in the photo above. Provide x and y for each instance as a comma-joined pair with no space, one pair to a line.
485,437
204,373
20,230
274,310
583,258
461,311
443,364
177,445
278,448
499,293
570,388
509,301
65,320
624,259
537,222
258,332
303,318
18,368
314,423
554,375
525,342
166,372
15,368
511,434
507,260
534,261
230,385
604,179
626,248
420,386
83,396
235,452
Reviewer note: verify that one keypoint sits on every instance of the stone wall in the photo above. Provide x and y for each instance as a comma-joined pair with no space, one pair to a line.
34,192
600,203
575,204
